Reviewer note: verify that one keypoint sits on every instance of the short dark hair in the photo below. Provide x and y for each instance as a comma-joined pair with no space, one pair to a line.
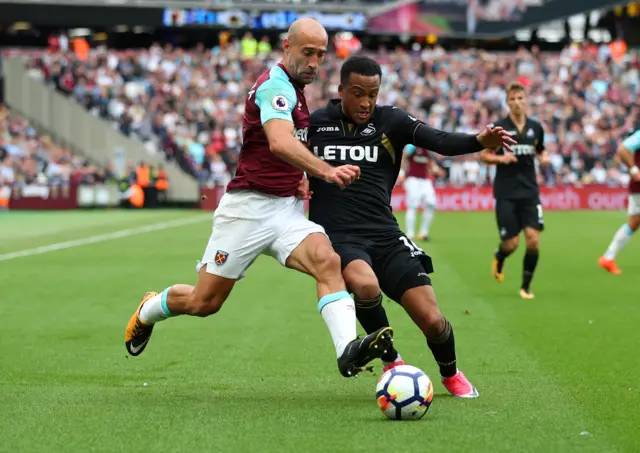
364,66
515,87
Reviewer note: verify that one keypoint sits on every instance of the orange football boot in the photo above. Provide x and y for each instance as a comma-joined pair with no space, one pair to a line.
609,265
137,335
526,294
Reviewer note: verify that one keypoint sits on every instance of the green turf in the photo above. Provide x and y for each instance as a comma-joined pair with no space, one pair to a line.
261,375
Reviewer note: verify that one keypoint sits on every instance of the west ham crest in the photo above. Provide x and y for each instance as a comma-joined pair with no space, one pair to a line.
221,257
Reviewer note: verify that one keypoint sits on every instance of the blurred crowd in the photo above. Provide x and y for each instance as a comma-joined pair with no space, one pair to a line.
497,10
28,158
311,2
189,104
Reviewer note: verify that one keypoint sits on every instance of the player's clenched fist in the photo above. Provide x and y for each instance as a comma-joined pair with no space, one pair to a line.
343,175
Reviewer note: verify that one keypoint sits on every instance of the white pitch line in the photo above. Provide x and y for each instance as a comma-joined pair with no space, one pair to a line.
103,237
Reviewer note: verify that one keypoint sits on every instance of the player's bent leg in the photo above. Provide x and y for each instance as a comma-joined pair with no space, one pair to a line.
505,248
530,217
412,189
205,299
361,280
363,283
510,245
620,240
427,218
429,211
532,239
509,228
421,305
410,220
314,256
234,244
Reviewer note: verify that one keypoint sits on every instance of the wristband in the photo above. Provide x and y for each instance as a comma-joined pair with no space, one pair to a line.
634,170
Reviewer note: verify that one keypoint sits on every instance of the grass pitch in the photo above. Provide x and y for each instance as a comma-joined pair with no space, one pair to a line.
556,374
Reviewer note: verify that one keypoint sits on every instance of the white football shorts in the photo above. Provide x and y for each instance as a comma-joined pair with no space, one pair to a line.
247,224
420,192
634,204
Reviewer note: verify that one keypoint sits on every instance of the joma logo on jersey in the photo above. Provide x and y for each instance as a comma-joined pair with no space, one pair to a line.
328,129
301,134
344,152
522,150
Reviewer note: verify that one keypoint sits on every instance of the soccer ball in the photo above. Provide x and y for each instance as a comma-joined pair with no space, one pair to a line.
404,393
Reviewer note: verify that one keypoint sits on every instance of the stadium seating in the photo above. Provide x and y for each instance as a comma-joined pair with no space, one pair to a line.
189,104
284,3
27,158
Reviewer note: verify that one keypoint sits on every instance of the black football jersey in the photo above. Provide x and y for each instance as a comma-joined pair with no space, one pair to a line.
364,207
518,180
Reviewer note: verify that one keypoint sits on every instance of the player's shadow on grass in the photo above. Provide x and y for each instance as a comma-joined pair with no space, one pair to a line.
374,417
429,416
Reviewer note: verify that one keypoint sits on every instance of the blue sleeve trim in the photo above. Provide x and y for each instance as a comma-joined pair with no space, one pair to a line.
334,297
276,97
410,149
632,143
163,303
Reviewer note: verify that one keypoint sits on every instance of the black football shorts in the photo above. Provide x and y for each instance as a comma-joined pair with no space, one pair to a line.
514,215
399,264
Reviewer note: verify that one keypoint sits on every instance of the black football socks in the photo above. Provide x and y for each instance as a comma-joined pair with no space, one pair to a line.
372,316
529,267
501,255
443,348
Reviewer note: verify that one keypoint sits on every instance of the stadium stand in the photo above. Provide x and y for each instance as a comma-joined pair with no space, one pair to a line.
313,2
285,3
27,158
189,104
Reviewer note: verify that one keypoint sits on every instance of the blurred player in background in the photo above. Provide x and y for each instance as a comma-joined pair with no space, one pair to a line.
260,214
416,174
515,188
627,152
376,255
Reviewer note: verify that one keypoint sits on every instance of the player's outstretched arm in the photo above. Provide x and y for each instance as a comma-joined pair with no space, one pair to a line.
285,145
456,144
445,143
448,143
